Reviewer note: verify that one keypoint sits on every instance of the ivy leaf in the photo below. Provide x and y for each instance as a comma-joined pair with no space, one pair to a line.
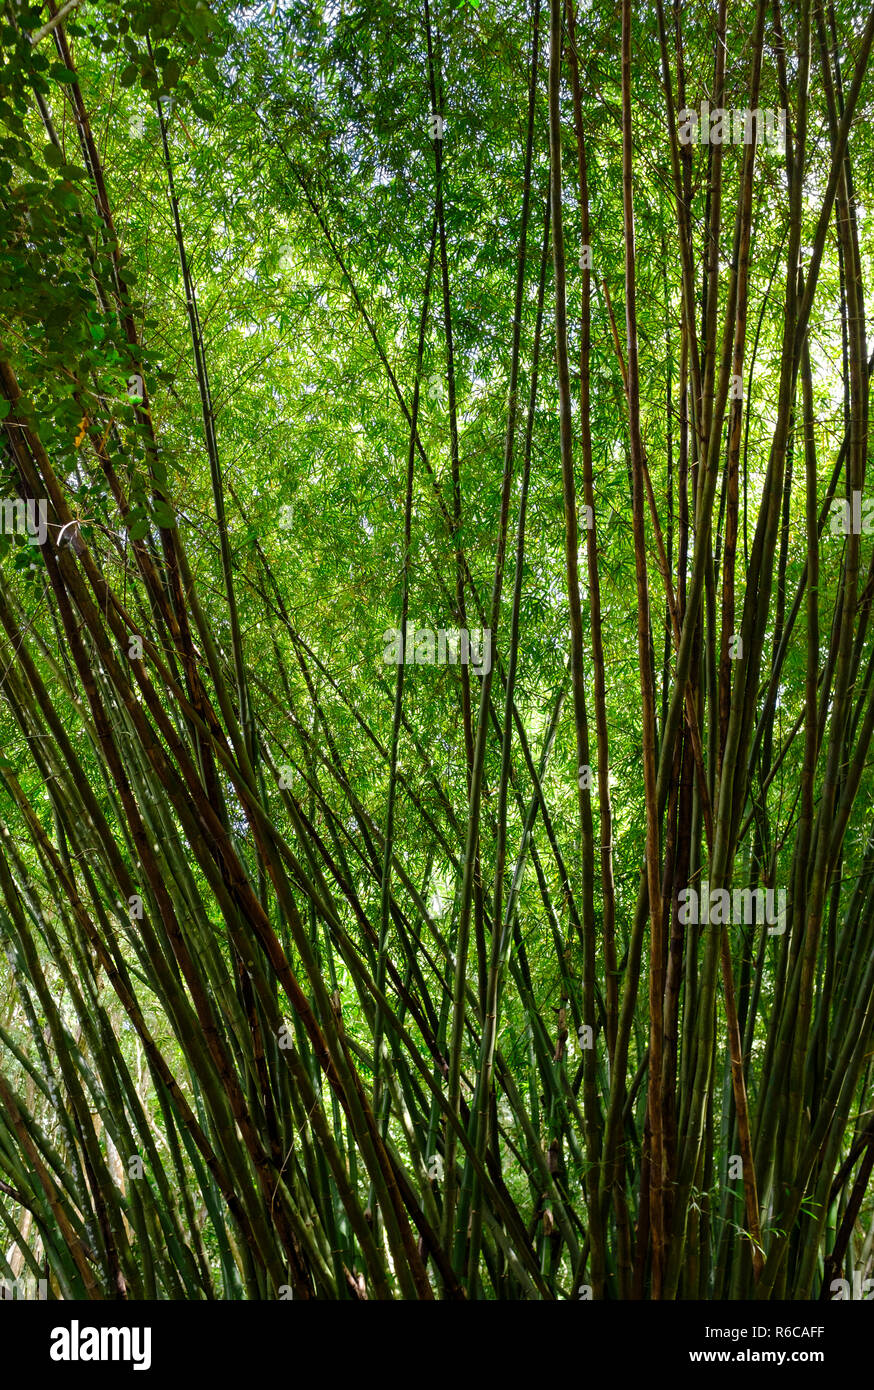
163,515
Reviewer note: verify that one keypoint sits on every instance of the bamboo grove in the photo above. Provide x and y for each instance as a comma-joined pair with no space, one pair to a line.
337,970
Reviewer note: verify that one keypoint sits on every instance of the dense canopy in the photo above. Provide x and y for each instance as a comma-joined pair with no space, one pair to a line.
437,668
